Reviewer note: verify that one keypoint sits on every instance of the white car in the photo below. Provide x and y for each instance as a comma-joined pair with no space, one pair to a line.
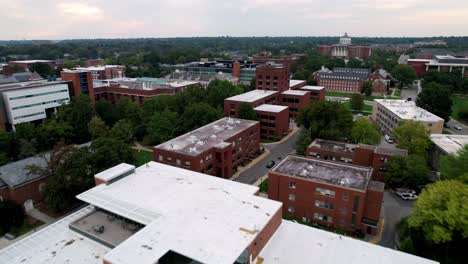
407,195
457,127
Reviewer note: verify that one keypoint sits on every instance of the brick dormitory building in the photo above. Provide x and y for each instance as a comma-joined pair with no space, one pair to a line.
356,154
328,193
215,149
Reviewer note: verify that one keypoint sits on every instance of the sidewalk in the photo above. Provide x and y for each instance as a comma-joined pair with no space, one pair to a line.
138,146
241,169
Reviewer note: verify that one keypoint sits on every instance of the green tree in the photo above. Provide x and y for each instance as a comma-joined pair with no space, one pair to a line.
367,88
13,216
51,132
108,152
404,73
122,130
441,211
462,113
412,136
218,90
43,69
303,141
129,110
436,99
160,127
4,142
197,115
78,114
327,120
246,111
107,112
357,102
354,63
97,128
408,171
455,166
158,104
364,132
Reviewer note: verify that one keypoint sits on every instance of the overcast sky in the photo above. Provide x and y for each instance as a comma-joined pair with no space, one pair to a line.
61,19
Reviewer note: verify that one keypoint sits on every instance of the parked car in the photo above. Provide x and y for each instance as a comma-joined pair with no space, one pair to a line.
446,125
270,164
388,139
407,196
457,127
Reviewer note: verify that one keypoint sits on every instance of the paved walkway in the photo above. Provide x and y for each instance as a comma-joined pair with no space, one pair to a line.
40,216
138,146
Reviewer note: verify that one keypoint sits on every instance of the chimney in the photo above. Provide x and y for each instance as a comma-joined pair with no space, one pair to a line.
236,69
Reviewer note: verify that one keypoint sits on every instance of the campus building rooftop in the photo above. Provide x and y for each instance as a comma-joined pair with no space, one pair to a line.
295,92
450,144
204,138
293,83
339,174
344,147
252,96
271,108
312,88
296,243
408,110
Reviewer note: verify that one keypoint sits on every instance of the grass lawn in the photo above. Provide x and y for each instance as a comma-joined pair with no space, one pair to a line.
366,109
264,186
398,92
458,102
367,98
141,157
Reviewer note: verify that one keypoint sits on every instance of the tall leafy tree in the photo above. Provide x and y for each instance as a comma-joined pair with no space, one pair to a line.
455,166
357,102
408,171
327,120
43,69
441,212
122,130
106,111
108,152
412,136
404,73
367,88
51,132
161,127
218,90
436,99
197,115
129,110
97,128
78,114
364,132
246,111
354,63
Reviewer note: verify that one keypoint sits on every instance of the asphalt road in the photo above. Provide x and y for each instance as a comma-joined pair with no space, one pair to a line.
452,130
277,151
394,209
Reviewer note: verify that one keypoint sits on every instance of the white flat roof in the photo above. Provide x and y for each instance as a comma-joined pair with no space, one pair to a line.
408,110
450,143
116,170
181,83
312,88
271,108
252,96
295,92
193,214
297,243
295,82
56,243
32,61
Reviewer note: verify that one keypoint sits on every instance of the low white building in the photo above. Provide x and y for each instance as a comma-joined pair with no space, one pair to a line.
388,113
31,101
162,214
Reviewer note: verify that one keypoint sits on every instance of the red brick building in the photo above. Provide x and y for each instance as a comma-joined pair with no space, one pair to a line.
357,154
317,93
274,120
439,63
345,49
94,63
254,98
20,186
348,80
26,64
136,91
296,84
272,76
82,83
215,149
379,87
296,100
328,193
104,72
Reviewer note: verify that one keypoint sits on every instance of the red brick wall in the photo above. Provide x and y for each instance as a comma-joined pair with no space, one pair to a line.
346,86
74,77
379,87
294,108
329,154
373,205
236,69
265,78
281,123
305,197
265,234
325,50
419,67
24,192
357,51
363,157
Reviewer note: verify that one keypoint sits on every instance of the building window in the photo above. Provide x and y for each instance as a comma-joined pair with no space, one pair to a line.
292,185
322,217
291,209
169,158
161,158
344,209
292,197
187,163
345,196
178,161
322,204
342,222
356,203
325,192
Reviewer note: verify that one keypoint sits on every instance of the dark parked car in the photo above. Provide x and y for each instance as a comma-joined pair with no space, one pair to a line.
270,164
